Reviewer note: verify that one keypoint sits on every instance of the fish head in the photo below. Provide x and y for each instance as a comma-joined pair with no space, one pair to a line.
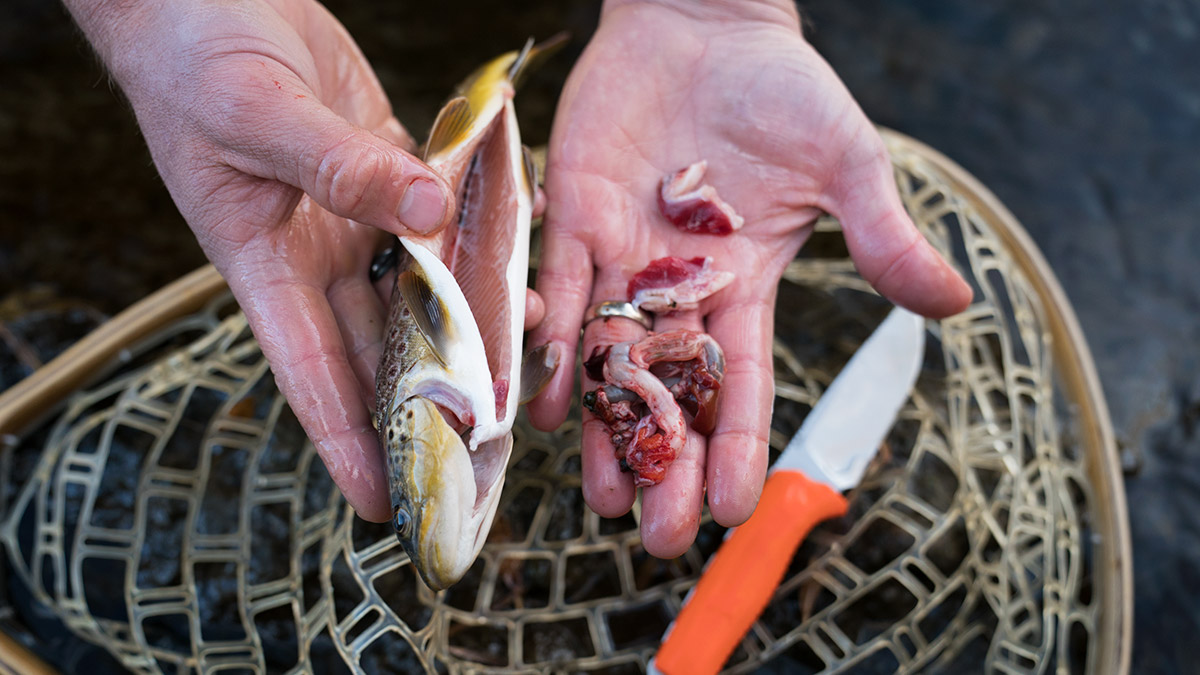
444,496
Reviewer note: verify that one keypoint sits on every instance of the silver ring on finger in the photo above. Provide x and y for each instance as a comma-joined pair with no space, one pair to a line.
610,309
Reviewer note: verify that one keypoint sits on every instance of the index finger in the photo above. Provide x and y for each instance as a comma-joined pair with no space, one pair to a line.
295,325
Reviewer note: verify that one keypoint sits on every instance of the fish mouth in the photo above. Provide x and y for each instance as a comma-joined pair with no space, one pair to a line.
444,496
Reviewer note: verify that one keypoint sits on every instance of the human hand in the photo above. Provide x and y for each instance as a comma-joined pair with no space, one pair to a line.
660,86
280,149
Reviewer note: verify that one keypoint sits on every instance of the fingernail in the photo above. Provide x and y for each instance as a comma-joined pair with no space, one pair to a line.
422,206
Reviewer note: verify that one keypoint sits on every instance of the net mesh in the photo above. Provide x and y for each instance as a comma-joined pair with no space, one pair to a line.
178,516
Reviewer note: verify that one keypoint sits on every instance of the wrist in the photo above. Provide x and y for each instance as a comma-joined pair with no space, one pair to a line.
759,11
117,30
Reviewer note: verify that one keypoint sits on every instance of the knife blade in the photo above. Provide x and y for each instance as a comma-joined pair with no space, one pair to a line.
829,454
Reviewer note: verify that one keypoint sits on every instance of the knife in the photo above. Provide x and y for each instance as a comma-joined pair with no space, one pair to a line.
827,456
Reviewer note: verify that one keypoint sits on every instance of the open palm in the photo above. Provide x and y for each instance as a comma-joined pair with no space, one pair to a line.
656,90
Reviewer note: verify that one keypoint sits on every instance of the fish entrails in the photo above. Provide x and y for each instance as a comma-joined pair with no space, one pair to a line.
675,285
647,382
693,207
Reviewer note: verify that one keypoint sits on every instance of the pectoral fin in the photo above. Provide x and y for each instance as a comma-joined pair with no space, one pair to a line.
537,369
428,311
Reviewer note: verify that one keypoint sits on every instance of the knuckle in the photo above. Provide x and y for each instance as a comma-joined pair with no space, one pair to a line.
348,174
893,265
564,287
736,434
752,370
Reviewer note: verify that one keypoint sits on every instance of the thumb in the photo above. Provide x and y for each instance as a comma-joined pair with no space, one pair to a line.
348,170
886,247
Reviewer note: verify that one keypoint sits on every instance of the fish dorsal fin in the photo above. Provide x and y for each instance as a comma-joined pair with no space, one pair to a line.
532,55
428,312
531,172
452,126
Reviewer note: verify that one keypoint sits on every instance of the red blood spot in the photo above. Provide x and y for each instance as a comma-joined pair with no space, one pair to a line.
500,389
278,86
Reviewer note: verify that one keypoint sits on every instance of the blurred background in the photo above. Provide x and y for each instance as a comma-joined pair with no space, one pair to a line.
1083,117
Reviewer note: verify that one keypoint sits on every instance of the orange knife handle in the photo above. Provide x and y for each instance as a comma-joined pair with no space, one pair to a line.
744,573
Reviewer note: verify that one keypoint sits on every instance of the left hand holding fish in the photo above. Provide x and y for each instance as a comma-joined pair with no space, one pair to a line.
661,86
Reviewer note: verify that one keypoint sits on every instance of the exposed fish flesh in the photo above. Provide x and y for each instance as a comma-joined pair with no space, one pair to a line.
673,284
694,207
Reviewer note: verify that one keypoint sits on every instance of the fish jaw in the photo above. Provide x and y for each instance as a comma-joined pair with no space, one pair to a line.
444,497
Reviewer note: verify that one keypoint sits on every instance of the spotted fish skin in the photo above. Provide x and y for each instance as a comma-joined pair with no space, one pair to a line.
405,349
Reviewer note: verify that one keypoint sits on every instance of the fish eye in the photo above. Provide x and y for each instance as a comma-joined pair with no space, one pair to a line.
402,522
